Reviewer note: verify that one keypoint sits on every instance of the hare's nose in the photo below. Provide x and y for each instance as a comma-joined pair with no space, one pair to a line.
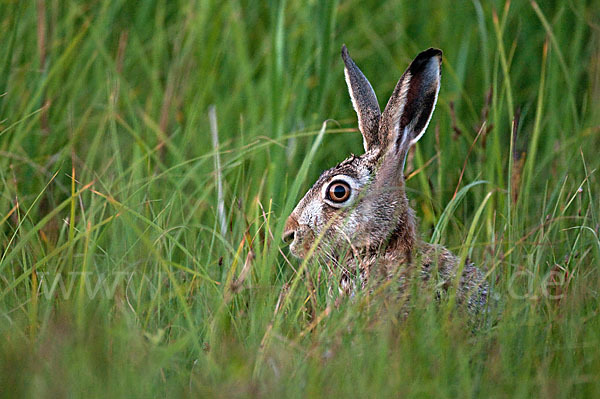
291,224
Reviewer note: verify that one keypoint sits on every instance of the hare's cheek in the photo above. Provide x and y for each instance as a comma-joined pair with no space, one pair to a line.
347,229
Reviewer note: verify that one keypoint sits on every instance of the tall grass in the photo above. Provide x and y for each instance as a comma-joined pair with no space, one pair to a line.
117,277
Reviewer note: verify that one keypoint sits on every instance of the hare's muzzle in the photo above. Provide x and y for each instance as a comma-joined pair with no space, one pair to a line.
289,231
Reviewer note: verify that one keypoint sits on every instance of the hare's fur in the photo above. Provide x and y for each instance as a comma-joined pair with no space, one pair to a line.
374,229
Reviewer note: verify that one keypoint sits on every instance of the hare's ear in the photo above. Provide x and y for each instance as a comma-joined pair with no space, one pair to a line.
411,105
364,101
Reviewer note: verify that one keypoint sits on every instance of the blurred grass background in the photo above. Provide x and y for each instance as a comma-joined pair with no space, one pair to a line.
117,278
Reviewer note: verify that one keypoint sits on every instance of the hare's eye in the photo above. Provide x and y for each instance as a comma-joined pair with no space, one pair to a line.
338,191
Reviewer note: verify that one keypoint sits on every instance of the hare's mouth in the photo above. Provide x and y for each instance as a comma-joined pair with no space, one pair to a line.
295,250
301,242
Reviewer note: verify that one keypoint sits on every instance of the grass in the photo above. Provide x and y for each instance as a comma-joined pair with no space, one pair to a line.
118,278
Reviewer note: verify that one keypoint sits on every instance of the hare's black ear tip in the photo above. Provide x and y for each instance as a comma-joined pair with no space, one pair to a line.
430,53
424,58
344,51
346,57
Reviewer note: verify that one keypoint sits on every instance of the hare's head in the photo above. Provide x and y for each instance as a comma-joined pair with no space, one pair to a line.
360,204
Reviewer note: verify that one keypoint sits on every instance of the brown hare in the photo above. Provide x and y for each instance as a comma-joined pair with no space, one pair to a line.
357,215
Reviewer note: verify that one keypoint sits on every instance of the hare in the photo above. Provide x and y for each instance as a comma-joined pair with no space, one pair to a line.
357,214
